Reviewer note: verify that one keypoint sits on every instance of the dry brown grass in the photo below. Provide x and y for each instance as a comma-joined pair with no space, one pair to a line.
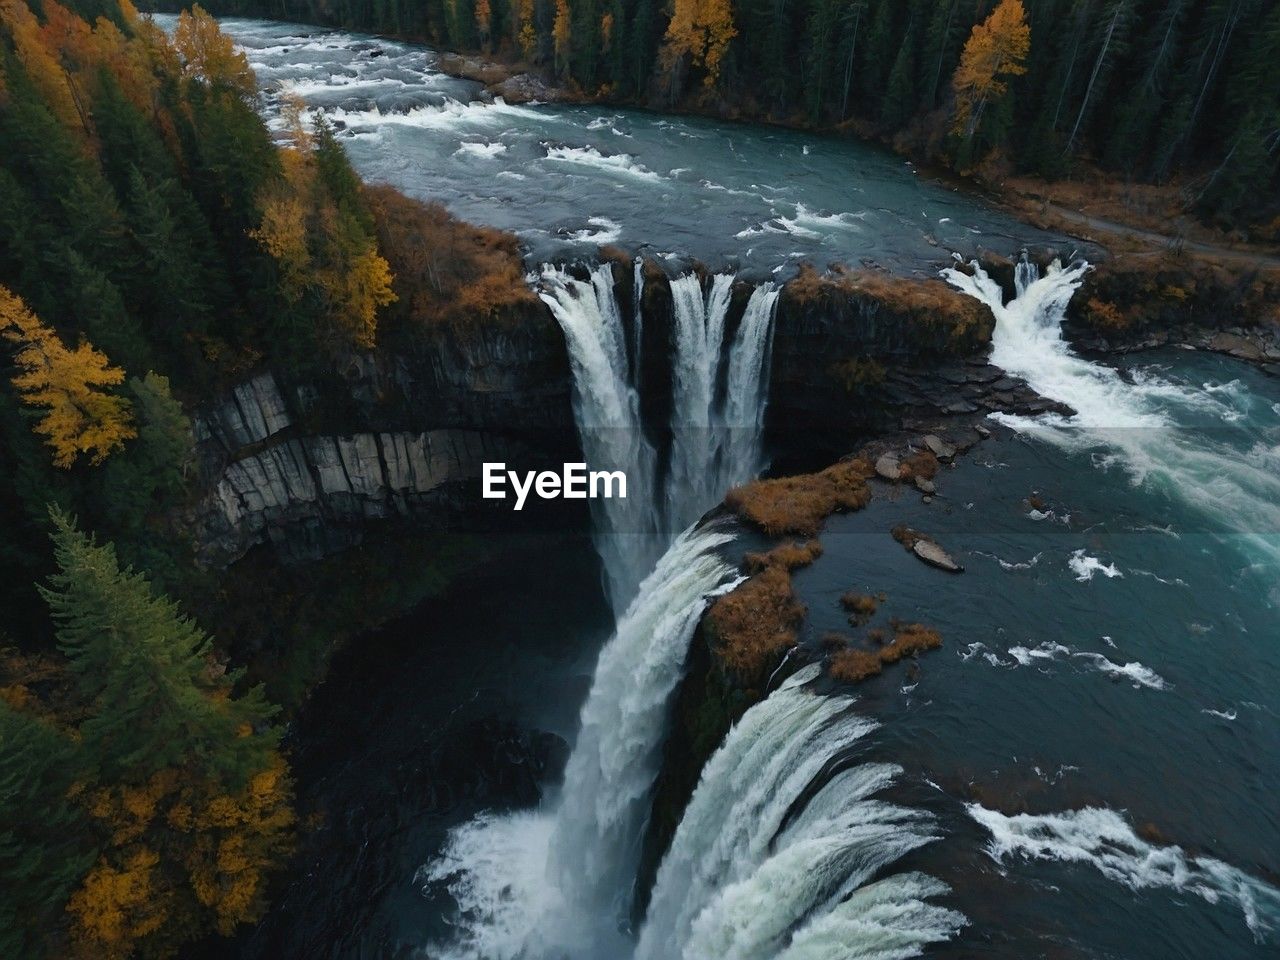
759,619
446,271
860,606
922,464
924,304
799,505
831,640
756,622
855,665
910,639
789,556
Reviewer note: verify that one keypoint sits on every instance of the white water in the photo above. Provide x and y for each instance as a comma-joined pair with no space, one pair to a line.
607,409
1132,425
716,424
1102,839
748,877
558,880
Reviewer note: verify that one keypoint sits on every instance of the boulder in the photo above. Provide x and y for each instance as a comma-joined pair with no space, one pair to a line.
888,468
935,556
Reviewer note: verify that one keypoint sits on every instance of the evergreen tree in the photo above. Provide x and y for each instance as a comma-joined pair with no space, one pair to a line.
146,674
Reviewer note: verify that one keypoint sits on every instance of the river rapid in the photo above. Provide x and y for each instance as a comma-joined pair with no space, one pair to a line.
1087,769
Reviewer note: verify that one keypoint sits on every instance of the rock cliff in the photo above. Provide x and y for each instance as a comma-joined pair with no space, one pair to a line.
397,433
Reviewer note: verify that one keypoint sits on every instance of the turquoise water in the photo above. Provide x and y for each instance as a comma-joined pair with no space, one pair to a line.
565,178
1115,649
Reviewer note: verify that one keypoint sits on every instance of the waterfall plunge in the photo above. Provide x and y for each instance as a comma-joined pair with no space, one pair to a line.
554,882
1134,425
719,394
748,877
558,881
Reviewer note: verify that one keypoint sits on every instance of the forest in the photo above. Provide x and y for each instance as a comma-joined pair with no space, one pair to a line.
156,244
1184,91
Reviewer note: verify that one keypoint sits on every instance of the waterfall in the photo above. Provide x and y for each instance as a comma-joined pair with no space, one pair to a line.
773,855
557,881
699,345
607,410
748,387
716,422
637,318
1137,425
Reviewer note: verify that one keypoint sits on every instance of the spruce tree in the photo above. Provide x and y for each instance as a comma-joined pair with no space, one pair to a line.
146,673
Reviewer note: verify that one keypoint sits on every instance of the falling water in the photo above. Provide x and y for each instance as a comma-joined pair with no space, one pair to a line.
607,409
748,388
716,422
556,881
1134,425
699,345
774,852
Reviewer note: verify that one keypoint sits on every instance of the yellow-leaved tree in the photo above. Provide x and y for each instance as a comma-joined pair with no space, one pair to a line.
208,54
81,416
701,30
997,48
562,35
317,228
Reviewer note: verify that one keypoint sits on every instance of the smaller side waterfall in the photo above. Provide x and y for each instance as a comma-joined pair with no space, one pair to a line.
1140,425
773,856
556,882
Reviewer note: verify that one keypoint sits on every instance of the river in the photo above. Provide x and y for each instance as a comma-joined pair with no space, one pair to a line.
1087,769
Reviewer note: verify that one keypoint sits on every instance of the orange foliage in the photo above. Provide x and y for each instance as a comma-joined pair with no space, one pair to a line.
526,36
80,415
996,48
701,30
798,505
484,20
208,54
909,640
561,35
446,271
117,906
756,621
181,855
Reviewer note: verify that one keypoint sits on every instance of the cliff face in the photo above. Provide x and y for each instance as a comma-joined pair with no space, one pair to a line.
399,433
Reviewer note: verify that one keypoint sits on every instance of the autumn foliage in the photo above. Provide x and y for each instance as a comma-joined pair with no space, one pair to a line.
80,415
702,31
447,272
996,50
909,640
758,620
798,505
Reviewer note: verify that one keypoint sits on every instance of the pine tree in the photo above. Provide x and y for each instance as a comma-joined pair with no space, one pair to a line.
146,673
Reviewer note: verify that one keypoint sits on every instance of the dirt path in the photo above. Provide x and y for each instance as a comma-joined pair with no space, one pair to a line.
1164,242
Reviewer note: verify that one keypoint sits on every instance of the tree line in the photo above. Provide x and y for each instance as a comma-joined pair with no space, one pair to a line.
1147,89
158,245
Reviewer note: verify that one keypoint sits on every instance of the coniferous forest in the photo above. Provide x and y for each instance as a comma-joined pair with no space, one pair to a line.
1147,90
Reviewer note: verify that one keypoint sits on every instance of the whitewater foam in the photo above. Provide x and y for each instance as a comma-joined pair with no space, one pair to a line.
1085,566
1101,838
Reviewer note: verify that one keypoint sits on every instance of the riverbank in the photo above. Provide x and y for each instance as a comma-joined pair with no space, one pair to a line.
1094,206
